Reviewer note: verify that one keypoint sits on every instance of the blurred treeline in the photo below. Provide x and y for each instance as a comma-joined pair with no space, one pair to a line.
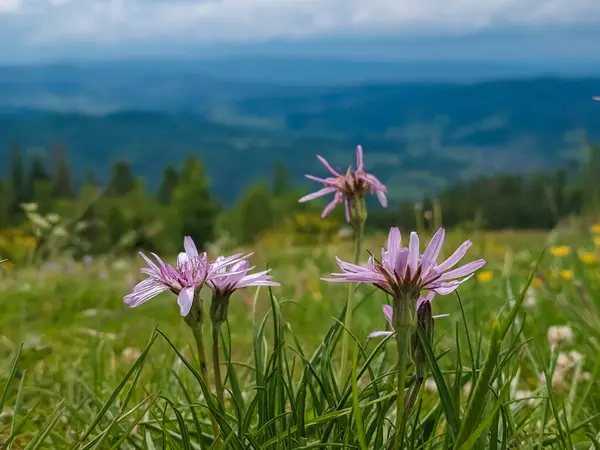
122,215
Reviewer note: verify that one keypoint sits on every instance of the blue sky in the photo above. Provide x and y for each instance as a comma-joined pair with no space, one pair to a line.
489,29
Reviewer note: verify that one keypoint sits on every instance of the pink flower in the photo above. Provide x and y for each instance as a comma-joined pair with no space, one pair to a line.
347,187
184,280
403,271
388,313
227,278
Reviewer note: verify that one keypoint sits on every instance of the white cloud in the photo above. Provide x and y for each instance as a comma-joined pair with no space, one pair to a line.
116,21
10,6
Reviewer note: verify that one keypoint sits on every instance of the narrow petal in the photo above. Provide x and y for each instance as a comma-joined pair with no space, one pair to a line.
401,263
446,288
388,312
317,179
150,263
380,333
182,259
185,300
413,253
330,207
347,208
432,251
142,294
393,246
455,257
359,158
382,198
190,247
463,271
327,166
317,194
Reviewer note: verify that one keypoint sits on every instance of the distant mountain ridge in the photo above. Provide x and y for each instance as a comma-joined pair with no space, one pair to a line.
416,136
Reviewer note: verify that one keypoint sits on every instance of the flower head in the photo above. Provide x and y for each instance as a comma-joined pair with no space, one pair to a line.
405,271
184,279
225,279
560,250
588,257
347,187
559,334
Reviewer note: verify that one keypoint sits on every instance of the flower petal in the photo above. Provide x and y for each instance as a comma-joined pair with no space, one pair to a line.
359,158
432,251
317,194
143,292
347,208
388,312
190,247
330,207
382,198
393,246
327,166
455,257
380,333
413,253
463,271
185,299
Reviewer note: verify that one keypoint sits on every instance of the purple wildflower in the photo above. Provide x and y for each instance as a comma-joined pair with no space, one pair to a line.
404,271
348,187
184,280
388,312
229,278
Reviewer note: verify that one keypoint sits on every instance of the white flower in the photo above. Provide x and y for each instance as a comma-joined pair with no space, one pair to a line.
530,301
430,386
560,334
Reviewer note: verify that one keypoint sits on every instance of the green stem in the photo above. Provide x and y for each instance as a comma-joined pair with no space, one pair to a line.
198,337
216,364
401,320
358,235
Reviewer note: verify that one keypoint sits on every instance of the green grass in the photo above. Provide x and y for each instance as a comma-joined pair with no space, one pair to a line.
83,371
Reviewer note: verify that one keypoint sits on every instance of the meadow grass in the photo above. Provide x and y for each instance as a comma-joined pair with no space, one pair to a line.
80,370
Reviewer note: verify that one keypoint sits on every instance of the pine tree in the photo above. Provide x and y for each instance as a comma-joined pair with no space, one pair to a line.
256,212
19,194
281,179
62,187
192,203
167,186
122,180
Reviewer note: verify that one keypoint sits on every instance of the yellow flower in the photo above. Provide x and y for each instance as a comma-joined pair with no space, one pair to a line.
597,241
595,228
485,276
588,257
561,250
567,274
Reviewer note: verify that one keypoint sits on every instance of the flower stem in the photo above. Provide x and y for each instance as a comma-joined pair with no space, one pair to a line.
216,364
358,234
198,337
401,320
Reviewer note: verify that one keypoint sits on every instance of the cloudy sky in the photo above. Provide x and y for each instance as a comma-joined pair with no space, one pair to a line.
31,29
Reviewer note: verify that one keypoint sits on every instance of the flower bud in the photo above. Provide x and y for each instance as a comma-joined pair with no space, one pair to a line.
425,322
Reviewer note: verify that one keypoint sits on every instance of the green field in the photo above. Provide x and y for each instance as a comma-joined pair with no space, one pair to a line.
79,341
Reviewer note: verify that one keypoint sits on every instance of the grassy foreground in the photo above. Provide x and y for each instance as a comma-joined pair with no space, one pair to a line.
80,370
